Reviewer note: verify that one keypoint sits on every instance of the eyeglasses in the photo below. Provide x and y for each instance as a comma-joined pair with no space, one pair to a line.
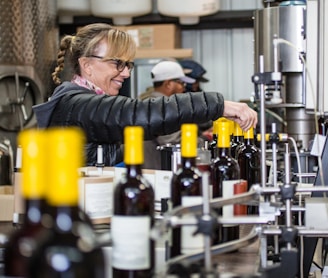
179,82
120,64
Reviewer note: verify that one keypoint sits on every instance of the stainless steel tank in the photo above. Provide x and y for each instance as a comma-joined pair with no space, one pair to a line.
288,23
28,47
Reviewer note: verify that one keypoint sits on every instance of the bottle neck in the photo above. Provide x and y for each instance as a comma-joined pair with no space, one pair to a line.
34,209
238,139
64,217
133,170
224,151
188,162
249,141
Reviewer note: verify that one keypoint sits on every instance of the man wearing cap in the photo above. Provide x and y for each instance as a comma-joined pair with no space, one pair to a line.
197,72
168,78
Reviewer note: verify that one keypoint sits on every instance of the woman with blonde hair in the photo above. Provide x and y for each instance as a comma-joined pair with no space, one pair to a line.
102,58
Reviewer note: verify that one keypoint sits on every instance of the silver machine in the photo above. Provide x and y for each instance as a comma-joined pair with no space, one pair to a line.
28,47
290,58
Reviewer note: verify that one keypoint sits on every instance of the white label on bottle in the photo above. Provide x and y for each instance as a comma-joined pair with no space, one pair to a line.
189,242
227,192
99,200
131,242
162,184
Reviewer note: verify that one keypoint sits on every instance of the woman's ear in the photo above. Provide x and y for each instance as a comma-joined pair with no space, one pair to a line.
85,65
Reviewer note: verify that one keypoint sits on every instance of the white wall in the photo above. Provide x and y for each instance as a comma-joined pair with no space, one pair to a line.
226,54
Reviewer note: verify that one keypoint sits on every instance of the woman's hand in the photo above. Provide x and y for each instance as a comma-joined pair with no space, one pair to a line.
241,113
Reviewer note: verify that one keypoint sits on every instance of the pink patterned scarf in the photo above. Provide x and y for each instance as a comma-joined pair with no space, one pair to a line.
78,80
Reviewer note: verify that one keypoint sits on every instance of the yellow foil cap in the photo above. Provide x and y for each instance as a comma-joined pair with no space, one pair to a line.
189,140
224,134
230,122
34,164
249,134
66,149
237,130
133,145
216,126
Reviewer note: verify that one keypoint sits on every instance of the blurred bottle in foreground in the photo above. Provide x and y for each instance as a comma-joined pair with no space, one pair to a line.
22,242
67,249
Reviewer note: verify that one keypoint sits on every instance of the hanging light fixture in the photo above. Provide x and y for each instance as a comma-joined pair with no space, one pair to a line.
121,11
188,11
66,9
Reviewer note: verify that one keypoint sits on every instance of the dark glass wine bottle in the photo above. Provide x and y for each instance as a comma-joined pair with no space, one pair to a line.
133,250
22,241
186,189
67,247
225,174
249,160
212,145
238,139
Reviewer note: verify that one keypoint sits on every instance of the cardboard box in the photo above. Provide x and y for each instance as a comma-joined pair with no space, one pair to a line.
96,198
156,36
6,203
159,179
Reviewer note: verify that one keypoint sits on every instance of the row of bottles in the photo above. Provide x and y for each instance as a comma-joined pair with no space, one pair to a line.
243,148
55,239
229,175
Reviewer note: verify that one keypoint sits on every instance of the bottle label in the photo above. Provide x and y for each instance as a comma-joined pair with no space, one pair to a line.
96,196
131,242
227,192
189,242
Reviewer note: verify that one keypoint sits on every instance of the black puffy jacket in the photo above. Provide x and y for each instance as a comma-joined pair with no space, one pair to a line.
104,117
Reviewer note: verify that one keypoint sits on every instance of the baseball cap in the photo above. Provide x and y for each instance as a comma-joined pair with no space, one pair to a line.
166,70
197,71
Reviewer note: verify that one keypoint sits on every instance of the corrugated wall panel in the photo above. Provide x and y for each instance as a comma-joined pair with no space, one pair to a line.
227,55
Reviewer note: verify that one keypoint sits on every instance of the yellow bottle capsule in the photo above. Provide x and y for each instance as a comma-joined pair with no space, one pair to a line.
224,134
66,147
189,140
34,163
133,145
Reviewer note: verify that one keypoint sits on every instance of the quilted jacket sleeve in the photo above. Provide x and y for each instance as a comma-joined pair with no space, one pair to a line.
104,117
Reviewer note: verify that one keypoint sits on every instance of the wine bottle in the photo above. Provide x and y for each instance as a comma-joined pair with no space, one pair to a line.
67,248
22,241
186,188
238,139
19,203
212,145
133,250
225,174
249,161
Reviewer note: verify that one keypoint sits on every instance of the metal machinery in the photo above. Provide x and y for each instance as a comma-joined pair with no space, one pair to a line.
289,84
28,42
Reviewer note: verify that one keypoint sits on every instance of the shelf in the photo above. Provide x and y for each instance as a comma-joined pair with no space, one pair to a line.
155,53
219,20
